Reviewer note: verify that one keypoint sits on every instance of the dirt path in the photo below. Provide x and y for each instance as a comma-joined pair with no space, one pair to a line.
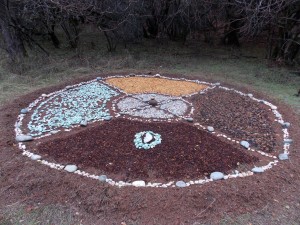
269,198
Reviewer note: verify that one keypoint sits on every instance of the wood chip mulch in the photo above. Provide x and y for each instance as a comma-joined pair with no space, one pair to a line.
237,116
109,148
138,85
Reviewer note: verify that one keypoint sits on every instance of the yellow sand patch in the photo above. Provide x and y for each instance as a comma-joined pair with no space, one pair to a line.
136,85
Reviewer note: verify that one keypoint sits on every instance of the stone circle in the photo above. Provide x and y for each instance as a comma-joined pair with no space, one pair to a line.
104,99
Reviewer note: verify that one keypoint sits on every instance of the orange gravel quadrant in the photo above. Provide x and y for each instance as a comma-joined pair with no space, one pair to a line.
136,85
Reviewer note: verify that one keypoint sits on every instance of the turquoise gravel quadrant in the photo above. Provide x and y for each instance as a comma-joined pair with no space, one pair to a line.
71,107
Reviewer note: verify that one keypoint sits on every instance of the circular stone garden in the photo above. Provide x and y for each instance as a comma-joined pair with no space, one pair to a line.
153,131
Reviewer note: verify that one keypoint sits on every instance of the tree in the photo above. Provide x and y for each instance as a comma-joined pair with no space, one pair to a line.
11,31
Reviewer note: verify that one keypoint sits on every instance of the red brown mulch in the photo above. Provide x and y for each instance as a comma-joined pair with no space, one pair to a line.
259,199
239,117
185,152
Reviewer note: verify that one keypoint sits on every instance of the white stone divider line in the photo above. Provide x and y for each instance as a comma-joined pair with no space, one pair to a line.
279,119
218,134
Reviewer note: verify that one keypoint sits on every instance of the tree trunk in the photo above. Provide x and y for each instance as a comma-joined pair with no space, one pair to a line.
54,38
71,32
231,36
288,44
11,36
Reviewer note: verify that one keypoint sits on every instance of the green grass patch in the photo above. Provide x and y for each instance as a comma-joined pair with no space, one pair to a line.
46,215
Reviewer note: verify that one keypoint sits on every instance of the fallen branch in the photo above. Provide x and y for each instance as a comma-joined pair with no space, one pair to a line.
200,214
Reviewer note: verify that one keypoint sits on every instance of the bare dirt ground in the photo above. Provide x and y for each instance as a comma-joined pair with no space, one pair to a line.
269,198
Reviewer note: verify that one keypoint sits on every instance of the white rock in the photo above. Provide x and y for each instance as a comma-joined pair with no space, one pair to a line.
283,156
107,118
54,131
257,170
102,178
180,183
148,138
36,157
71,168
24,111
287,141
273,107
83,123
139,183
216,176
210,129
189,119
286,124
23,137
245,144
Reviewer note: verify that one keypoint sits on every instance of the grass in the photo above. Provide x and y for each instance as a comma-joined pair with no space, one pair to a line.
47,215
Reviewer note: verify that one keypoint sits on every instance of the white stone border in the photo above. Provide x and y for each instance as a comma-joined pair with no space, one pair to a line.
237,174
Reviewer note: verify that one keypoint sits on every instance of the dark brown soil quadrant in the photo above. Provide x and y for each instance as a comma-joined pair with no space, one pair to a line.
237,116
185,152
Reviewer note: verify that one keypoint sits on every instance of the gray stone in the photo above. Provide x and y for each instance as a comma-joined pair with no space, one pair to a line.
70,168
102,178
83,123
283,156
99,78
257,170
54,131
36,157
250,95
273,107
217,84
139,183
180,184
286,125
210,129
245,144
23,137
153,102
107,118
287,141
190,119
24,111
217,176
